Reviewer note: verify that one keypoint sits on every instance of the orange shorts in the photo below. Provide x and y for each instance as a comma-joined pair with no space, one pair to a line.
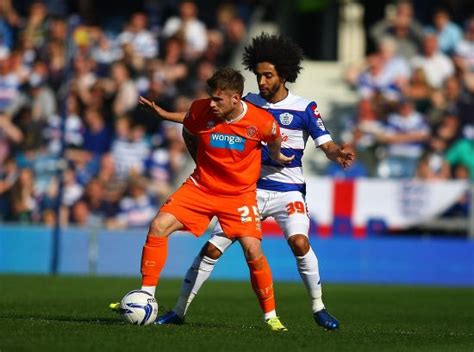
194,208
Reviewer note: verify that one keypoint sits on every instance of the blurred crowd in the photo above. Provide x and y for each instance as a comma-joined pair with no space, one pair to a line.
415,114
120,161
414,117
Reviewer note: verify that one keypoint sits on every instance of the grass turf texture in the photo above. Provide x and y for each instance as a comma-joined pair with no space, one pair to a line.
43,313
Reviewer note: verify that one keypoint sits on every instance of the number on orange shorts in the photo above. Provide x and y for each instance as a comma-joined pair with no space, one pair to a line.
248,214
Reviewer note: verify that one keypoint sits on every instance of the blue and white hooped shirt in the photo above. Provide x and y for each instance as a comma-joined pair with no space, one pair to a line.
298,118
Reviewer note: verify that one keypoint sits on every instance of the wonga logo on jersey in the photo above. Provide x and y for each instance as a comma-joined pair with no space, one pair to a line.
227,141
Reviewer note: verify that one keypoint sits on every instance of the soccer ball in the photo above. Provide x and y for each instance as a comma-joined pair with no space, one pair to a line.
139,308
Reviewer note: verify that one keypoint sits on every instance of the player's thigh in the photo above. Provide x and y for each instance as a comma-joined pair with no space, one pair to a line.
219,239
239,216
191,207
263,202
291,213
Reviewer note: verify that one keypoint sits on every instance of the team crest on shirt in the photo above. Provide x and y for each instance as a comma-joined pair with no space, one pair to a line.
286,118
251,131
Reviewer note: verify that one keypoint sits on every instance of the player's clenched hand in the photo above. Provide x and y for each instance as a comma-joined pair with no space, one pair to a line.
284,160
345,156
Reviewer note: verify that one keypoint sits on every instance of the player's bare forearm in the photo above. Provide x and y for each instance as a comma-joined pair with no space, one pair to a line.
344,155
177,117
274,150
191,143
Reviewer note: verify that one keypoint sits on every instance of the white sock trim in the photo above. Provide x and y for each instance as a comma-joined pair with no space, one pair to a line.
269,315
150,289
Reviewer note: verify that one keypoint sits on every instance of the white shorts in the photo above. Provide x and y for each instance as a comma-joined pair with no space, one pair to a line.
287,208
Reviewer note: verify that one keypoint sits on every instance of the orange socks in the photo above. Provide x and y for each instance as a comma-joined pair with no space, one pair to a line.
154,256
261,279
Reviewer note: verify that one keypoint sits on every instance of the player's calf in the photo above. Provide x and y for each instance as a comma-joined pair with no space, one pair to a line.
210,251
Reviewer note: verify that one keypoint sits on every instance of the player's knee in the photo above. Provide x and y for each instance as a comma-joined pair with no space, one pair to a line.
211,251
158,228
299,244
253,252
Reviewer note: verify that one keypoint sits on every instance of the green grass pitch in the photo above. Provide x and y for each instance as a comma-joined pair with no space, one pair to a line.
42,313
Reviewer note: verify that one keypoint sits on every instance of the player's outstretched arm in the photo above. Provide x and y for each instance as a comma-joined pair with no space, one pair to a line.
162,113
274,149
344,155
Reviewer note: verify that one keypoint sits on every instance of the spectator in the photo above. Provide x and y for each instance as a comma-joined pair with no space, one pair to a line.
404,135
405,30
461,153
97,137
92,208
432,165
114,187
395,67
188,28
72,189
160,172
126,94
105,53
373,81
130,150
18,67
173,68
36,26
23,201
9,23
56,62
10,136
135,210
232,29
361,133
447,32
8,177
84,77
464,52
418,90
143,41
80,214
11,99
43,102
436,65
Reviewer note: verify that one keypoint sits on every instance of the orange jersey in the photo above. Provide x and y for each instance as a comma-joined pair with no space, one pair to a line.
229,153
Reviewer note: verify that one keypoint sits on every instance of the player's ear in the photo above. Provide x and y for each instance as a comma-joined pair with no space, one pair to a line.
235,98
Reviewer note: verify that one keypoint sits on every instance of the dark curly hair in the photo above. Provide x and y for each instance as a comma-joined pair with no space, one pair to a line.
280,51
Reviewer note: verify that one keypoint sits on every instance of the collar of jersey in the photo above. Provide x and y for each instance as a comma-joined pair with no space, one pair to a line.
284,102
242,114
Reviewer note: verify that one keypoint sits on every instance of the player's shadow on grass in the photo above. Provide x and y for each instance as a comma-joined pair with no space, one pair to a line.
99,321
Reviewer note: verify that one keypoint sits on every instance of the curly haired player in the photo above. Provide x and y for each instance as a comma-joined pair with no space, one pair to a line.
281,191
